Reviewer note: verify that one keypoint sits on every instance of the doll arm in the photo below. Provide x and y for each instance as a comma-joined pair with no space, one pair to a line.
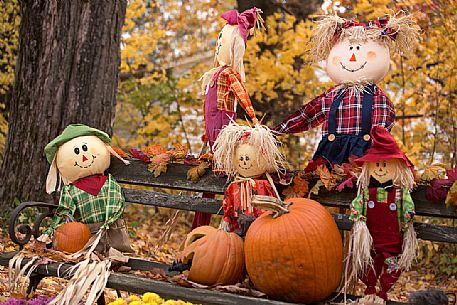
357,208
241,94
408,206
66,207
383,110
227,206
114,203
308,116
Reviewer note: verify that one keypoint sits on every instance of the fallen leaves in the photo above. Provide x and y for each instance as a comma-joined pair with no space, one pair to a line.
451,198
196,172
434,171
298,187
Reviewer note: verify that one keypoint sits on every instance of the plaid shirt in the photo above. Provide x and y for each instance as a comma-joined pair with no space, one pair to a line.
231,88
403,200
348,114
106,207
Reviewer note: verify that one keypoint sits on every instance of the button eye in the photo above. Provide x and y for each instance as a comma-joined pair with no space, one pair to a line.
84,147
76,150
358,48
241,159
247,158
350,48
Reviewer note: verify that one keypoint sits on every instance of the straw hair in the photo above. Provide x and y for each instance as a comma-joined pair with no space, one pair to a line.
325,37
261,137
403,178
409,248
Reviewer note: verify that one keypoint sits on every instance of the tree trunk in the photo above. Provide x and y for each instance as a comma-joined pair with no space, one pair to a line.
67,72
301,9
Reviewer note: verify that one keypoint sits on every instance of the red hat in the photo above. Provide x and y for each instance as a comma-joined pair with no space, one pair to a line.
245,20
383,147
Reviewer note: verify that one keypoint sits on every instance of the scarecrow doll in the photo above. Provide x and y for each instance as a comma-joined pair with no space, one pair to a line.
79,158
357,57
247,155
223,85
383,241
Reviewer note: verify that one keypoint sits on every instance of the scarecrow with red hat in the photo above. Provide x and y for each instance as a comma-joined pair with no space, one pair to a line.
223,85
357,57
383,241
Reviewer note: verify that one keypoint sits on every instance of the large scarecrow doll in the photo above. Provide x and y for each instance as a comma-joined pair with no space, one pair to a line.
223,85
247,155
383,241
79,158
357,58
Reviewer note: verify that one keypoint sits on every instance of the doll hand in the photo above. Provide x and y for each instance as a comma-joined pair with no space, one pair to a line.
44,238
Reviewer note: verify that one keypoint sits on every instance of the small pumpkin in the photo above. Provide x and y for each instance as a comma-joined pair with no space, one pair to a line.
294,254
217,257
71,237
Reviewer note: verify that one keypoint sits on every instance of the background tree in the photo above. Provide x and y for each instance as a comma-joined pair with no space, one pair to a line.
67,72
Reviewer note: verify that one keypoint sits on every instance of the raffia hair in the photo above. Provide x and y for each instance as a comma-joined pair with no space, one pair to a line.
260,137
325,37
403,178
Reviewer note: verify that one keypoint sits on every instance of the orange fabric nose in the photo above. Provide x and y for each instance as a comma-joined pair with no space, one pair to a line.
352,57
84,158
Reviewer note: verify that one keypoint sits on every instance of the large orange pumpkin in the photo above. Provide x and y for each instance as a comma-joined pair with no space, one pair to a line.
71,237
217,256
297,256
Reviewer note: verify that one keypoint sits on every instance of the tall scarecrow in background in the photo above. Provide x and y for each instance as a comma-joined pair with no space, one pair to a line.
357,57
223,85
383,241
79,157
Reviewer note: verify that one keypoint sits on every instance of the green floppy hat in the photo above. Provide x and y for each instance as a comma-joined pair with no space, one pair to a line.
70,132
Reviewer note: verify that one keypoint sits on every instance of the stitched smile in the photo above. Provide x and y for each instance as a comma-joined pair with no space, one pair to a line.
93,159
380,175
353,70
245,167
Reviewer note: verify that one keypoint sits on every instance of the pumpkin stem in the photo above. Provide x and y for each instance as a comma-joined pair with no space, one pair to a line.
275,205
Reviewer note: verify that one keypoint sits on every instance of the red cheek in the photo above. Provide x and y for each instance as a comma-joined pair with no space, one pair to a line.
371,55
336,60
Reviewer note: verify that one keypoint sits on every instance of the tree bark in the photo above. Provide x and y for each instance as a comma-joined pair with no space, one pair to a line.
301,9
67,72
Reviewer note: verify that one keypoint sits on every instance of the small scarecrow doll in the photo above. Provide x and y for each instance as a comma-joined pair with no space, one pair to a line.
79,158
223,85
247,155
357,58
383,241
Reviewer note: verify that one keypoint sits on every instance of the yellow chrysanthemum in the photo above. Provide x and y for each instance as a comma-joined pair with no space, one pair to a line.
136,303
152,298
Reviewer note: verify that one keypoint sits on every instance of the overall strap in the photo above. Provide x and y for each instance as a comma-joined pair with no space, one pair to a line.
367,109
216,75
331,120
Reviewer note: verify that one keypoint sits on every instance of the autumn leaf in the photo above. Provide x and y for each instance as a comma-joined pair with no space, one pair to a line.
120,152
434,171
315,189
451,198
328,180
159,164
138,154
346,183
155,149
195,173
179,151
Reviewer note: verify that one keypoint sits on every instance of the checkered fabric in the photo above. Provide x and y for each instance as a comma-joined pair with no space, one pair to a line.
106,207
229,88
348,114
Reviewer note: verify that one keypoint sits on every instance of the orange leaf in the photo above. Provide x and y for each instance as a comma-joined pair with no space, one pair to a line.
180,151
120,152
195,172
326,176
300,186
161,158
451,198
154,149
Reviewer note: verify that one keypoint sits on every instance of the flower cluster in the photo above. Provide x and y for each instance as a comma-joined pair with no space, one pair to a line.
41,300
148,298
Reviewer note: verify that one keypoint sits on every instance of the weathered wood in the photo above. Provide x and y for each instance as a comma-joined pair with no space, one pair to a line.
128,282
176,178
